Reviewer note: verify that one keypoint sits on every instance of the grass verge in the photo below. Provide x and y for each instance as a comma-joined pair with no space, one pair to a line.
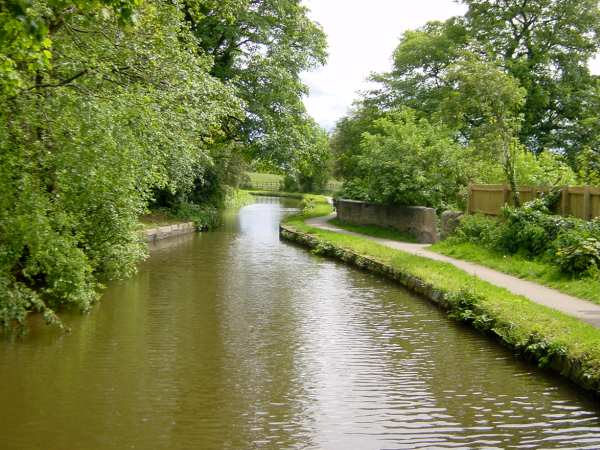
552,339
315,198
587,288
260,178
375,231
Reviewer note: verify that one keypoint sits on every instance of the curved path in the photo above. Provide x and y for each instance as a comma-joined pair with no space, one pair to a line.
573,306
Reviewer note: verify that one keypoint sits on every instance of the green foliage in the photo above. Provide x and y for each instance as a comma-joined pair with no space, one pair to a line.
531,229
484,104
111,106
83,145
572,245
409,161
260,47
312,170
577,250
510,79
588,163
346,139
477,229
237,198
546,169
546,45
204,216
27,29
421,61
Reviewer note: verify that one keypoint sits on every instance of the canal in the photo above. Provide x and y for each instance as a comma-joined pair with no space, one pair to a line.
235,340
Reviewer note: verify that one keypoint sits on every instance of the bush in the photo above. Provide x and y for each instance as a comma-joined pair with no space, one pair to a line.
571,244
407,160
531,229
477,229
204,216
577,250
581,256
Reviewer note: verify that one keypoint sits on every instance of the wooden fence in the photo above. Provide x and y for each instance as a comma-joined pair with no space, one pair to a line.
262,186
331,186
579,201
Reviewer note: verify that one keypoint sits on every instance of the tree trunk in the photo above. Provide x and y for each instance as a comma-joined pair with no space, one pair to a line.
511,177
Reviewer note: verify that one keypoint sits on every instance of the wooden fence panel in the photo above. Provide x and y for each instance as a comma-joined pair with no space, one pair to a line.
578,201
595,202
331,186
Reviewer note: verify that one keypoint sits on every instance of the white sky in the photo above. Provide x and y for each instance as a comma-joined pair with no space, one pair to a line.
362,36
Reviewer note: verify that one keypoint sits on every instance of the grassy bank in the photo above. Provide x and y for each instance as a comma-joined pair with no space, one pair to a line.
534,270
315,198
553,339
260,178
375,231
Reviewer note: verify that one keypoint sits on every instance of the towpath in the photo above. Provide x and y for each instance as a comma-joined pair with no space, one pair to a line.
573,306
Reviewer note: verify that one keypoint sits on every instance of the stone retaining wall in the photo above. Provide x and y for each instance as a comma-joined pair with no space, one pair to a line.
419,221
155,234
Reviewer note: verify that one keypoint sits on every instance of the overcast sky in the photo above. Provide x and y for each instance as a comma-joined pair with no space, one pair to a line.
362,36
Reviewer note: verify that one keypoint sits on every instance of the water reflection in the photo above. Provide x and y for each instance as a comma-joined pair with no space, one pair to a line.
236,340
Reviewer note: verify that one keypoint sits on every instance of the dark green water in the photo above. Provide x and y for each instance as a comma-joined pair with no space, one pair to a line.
235,340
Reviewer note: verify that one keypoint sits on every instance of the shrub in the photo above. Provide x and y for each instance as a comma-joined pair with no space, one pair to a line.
571,244
580,257
477,229
203,216
531,229
577,251
407,160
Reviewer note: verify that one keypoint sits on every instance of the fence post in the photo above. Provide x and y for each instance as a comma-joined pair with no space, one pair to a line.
587,203
470,200
505,194
564,201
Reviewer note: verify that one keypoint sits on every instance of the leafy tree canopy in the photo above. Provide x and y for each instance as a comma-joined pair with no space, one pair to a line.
110,104
260,47
544,44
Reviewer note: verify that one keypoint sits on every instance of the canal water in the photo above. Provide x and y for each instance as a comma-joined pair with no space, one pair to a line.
235,340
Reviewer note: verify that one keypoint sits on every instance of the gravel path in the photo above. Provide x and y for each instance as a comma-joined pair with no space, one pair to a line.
573,306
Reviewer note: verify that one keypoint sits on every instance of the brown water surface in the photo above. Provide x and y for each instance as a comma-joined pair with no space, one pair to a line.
235,340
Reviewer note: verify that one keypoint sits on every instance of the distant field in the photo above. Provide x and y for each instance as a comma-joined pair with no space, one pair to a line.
271,182
256,177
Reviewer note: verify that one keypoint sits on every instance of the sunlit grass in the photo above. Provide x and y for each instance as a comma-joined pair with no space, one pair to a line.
259,178
534,270
375,231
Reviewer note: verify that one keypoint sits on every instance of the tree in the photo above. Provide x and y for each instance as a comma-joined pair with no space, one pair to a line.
346,138
546,45
122,109
27,28
409,161
260,47
488,101
313,165
421,62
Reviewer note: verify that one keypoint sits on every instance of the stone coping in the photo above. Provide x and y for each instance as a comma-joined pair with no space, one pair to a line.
167,231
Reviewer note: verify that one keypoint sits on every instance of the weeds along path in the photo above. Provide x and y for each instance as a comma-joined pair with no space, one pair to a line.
573,306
